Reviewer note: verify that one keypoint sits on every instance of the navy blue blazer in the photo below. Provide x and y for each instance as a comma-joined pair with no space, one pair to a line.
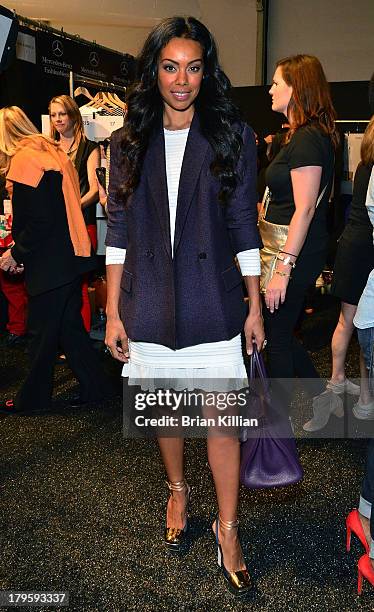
196,296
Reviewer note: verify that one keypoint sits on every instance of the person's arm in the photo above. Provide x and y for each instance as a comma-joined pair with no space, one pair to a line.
116,241
305,185
241,210
8,263
254,325
117,227
36,208
250,267
92,195
103,197
241,221
115,335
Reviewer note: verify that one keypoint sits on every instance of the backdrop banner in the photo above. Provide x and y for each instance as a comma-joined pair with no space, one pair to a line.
59,54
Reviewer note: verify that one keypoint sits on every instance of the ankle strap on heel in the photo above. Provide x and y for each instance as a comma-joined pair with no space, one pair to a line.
228,524
177,486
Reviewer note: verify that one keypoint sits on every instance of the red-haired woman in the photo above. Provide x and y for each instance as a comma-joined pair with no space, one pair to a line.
299,179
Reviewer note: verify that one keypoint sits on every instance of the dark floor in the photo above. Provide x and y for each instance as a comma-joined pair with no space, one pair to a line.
82,509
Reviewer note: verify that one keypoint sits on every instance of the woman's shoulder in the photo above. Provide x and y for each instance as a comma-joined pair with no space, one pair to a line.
242,128
312,133
310,138
90,145
363,173
27,164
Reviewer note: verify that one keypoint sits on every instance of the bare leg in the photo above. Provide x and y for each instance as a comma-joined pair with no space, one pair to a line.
340,341
365,526
224,460
365,395
172,456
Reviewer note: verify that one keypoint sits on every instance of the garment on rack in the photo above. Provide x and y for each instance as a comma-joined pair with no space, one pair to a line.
352,154
97,128
102,112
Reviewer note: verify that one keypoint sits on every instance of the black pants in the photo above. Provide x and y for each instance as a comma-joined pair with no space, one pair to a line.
55,321
286,355
368,484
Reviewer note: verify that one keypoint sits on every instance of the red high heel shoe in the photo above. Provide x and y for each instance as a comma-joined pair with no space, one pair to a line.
365,570
353,523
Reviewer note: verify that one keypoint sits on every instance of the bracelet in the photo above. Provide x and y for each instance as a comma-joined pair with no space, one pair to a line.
282,273
285,260
292,255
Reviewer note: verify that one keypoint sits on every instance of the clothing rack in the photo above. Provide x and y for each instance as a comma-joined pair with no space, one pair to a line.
81,78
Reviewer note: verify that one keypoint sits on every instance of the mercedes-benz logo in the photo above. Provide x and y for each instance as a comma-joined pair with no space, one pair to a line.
94,59
57,48
123,67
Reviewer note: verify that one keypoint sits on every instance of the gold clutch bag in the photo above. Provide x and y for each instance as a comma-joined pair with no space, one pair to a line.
273,238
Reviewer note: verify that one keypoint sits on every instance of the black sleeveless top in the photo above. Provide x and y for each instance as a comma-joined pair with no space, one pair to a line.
84,151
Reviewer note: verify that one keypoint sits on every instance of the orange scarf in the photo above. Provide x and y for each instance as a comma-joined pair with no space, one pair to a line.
37,155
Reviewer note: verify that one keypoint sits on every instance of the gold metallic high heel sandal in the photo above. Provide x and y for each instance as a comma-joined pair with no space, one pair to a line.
239,582
174,537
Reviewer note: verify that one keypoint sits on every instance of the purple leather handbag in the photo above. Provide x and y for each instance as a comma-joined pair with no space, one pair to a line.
269,456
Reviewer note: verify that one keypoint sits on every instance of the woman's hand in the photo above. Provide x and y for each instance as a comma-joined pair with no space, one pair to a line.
116,339
254,332
7,262
102,194
276,291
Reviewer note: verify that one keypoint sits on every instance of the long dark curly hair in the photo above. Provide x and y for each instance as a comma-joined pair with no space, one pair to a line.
216,111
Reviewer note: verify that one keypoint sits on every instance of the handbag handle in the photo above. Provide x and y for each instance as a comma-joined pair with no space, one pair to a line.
257,372
256,365
257,369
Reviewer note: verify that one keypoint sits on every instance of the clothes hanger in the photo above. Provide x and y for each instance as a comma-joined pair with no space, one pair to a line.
98,103
117,100
82,91
105,103
107,100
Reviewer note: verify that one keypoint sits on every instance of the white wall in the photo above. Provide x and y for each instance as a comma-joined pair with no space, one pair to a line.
234,26
339,32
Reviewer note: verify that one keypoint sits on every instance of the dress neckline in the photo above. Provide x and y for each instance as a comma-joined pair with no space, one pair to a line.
183,131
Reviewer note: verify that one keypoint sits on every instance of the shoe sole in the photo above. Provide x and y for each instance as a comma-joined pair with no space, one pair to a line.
338,412
363,417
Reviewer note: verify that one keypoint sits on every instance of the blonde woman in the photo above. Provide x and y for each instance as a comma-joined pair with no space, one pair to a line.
53,246
67,129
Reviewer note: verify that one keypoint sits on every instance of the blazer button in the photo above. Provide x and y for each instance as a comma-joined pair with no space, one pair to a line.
149,254
202,255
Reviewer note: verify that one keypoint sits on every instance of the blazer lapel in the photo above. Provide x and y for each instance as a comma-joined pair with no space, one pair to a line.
156,175
195,152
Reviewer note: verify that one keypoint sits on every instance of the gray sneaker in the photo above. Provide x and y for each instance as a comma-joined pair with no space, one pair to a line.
324,405
346,386
364,412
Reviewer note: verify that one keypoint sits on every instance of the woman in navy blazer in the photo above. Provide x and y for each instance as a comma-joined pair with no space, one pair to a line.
182,203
